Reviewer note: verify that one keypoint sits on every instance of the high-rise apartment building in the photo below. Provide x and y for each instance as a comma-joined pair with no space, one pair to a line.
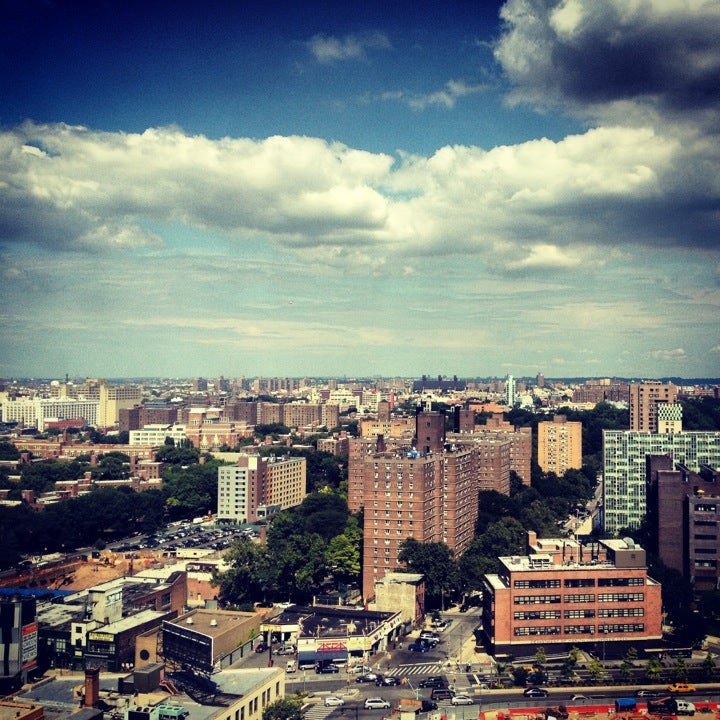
432,497
644,400
510,389
624,470
559,445
112,399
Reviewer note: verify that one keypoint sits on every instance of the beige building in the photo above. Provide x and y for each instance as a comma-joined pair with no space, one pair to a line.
559,445
254,483
644,400
112,399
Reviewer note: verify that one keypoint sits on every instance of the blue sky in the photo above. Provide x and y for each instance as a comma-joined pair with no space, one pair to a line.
396,188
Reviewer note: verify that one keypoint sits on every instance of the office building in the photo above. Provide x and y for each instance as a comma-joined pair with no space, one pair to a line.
644,400
598,598
624,468
559,445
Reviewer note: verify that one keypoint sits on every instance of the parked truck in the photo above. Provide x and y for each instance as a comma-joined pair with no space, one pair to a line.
670,706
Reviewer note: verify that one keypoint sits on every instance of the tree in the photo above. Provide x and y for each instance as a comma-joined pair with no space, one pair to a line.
679,670
436,562
595,669
708,666
343,552
540,657
653,669
287,708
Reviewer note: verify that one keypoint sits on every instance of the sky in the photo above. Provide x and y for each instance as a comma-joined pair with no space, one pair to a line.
356,189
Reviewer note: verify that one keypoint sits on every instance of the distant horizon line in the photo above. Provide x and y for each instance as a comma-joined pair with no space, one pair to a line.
675,379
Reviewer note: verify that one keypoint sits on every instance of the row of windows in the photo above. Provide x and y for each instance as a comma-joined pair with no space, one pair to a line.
579,629
579,598
579,582
537,615
579,614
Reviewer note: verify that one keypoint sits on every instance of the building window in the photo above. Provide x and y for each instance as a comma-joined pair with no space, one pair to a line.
580,598
579,582
621,597
536,599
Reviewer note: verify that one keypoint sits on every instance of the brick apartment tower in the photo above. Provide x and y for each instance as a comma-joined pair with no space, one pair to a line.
429,431
644,399
431,497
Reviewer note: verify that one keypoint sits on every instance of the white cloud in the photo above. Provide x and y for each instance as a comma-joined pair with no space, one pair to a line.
446,97
673,354
327,49
533,206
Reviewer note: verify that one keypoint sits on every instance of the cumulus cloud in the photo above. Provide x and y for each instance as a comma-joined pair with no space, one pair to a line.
599,52
328,49
529,207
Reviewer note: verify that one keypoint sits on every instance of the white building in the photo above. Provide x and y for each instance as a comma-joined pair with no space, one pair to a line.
155,435
624,468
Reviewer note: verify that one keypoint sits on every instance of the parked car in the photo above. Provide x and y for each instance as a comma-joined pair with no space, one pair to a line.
367,678
536,692
376,703
434,681
418,647
333,701
327,669
429,635
285,650
681,687
261,647
462,700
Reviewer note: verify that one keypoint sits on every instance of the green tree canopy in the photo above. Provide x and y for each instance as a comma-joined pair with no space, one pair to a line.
436,562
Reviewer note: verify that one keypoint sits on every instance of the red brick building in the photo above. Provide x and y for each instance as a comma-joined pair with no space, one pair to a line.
563,594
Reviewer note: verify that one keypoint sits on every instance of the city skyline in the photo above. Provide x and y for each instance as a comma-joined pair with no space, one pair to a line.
244,189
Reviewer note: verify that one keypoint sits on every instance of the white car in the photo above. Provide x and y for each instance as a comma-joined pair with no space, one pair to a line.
334,701
462,700
376,703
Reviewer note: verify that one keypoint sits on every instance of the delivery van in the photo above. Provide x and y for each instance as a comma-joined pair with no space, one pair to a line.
291,666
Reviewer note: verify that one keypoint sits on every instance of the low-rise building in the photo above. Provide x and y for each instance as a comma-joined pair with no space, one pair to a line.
564,594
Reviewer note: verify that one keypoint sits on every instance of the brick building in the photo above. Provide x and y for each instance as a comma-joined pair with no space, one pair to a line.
644,399
683,517
562,595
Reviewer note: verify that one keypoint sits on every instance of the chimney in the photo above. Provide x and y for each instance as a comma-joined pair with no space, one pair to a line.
92,686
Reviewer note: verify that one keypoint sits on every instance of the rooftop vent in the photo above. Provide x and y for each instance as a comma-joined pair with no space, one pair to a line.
213,623
189,621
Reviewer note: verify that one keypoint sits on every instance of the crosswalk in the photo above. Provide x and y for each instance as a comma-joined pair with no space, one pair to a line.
318,712
430,668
